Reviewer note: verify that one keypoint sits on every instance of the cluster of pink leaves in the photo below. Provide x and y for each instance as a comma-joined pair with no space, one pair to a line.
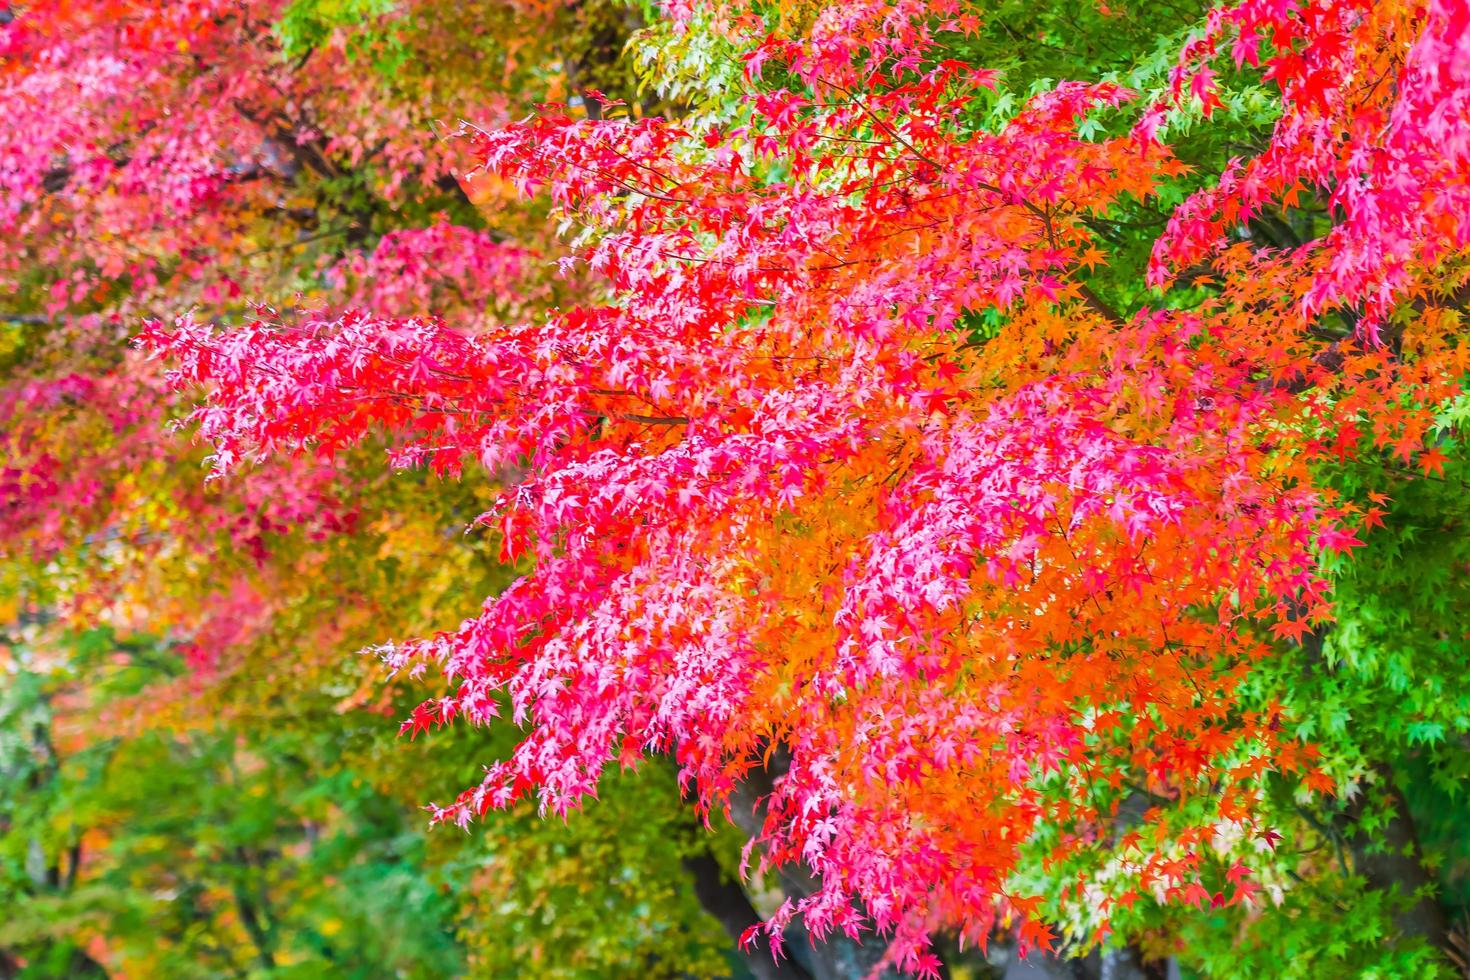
182,124
1395,174
146,186
51,505
149,149
233,615
438,268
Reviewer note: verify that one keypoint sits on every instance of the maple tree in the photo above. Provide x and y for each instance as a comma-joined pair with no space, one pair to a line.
975,483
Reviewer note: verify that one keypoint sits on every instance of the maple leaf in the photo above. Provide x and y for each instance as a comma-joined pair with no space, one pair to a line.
1237,873
1431,462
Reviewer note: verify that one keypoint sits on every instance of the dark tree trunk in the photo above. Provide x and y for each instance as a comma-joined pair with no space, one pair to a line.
836,957
726,901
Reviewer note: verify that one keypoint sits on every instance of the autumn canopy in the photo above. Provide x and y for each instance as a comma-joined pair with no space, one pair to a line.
910,478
